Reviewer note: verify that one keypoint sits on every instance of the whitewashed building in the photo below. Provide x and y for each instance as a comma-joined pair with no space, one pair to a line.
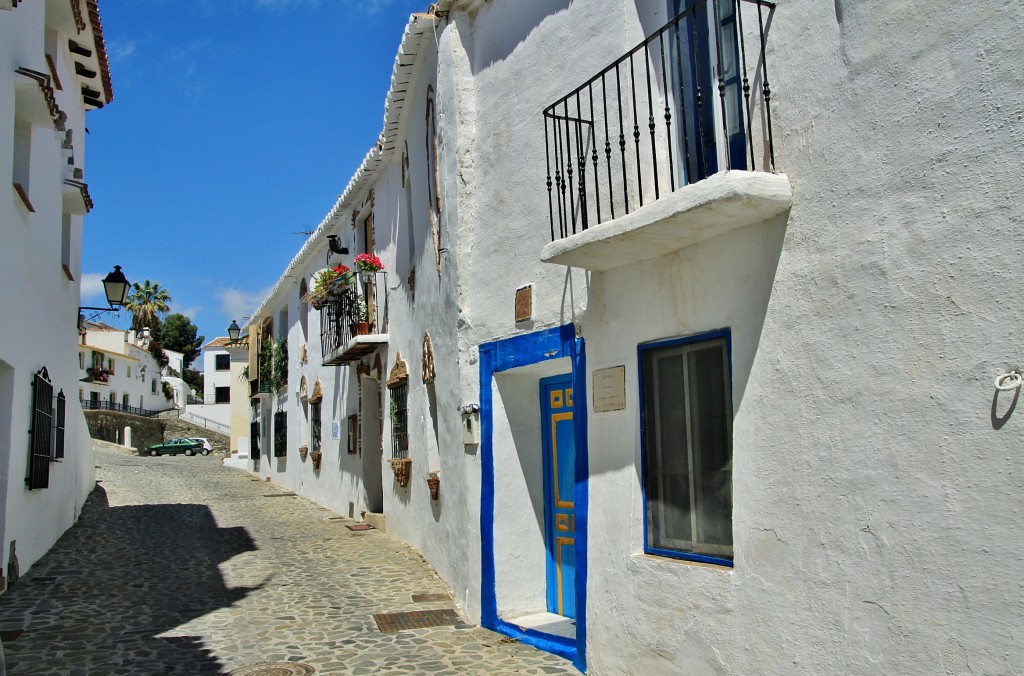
53,69
222,374
705,319
118,372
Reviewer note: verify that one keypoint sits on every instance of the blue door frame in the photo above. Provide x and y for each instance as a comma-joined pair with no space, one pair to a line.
502,355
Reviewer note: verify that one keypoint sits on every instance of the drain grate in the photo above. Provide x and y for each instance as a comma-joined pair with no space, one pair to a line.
417,619
275,669
280,495
360,526
422,598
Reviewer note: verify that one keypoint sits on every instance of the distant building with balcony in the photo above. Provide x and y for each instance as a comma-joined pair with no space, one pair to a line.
53,70
696,319
224,382
117,371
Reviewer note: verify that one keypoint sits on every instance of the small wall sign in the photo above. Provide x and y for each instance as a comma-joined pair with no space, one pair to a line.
610,389
524,303
335,429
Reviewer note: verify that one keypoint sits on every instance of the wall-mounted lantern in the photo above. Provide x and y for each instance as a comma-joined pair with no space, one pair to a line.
115,286
470,423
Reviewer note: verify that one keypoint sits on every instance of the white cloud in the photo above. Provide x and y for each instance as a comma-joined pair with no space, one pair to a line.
120,49
92,284
190,312
236,303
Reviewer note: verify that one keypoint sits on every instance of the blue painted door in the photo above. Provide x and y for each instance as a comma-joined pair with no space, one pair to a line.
559,446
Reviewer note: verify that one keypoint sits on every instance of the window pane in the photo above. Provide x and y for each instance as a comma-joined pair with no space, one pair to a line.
687,421
713,458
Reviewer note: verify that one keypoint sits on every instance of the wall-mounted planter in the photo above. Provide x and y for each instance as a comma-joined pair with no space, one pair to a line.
402,467
303,452
316,457
434,484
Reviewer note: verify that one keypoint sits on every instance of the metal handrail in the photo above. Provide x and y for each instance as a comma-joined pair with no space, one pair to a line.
665,85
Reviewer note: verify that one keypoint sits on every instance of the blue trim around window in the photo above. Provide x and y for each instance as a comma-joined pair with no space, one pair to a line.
495,357
724,334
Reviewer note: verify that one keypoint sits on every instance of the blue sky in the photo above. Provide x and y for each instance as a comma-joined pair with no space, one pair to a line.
234,125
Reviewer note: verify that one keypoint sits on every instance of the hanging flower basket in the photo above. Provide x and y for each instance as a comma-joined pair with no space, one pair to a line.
369,265
303,452
402,467
316,457
434,484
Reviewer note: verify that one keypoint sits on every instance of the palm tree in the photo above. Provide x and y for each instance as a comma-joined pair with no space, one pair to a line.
147,302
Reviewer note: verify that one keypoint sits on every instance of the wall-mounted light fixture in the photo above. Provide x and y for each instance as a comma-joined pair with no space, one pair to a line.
233,331
115,286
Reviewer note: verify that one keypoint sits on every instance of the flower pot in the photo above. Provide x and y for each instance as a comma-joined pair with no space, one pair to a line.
434,484
359,328
316,457
367,275
303,452
402,467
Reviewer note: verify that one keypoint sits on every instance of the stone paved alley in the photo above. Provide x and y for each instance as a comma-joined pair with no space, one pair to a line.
179,565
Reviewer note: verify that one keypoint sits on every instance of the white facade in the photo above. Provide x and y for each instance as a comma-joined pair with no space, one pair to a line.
117,371
219,383
865,300
42,201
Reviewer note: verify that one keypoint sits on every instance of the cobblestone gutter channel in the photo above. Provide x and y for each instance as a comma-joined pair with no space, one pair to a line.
179,565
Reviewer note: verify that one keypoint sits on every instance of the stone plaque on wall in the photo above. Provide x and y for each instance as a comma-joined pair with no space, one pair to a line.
610,389
524,303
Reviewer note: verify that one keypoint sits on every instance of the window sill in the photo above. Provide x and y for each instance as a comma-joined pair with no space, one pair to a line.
23,194
655,558
696,212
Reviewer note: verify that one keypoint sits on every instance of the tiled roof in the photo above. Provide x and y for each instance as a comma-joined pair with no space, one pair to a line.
224,341
101,49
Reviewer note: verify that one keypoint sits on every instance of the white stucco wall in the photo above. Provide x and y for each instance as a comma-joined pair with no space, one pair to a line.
42,332
874,504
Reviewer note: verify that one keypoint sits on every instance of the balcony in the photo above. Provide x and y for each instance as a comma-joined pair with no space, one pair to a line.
259,387
355,324
670,145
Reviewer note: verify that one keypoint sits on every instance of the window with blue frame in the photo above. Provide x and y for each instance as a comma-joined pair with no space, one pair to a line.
686,405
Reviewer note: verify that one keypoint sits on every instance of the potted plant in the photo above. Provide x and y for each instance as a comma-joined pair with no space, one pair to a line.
368,265
402,468
434,483
359,316
329,284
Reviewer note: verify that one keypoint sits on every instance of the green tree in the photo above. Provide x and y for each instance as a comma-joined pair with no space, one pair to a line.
147,302
178,333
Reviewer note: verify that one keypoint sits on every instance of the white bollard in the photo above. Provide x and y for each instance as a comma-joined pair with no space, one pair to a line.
127,436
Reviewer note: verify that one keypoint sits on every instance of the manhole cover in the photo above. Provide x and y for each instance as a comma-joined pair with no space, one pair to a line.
417,619
275,669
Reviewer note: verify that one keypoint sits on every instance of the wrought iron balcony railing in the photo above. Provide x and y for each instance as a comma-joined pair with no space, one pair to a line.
356,322
689,101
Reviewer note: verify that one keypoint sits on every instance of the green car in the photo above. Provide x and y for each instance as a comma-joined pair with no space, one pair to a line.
176,446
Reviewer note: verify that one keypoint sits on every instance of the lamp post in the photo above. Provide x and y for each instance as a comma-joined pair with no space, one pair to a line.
233,331
115,286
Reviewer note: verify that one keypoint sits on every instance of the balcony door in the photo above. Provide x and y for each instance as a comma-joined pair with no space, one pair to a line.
712,134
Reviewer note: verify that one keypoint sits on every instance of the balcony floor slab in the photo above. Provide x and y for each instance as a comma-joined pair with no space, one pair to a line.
693,213
355,349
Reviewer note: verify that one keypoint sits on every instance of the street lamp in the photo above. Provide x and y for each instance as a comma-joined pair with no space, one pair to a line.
115,286
233,331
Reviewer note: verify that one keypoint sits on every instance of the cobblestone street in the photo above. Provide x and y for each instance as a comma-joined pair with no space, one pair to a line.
179,565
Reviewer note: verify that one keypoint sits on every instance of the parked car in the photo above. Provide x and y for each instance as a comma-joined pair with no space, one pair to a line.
207,446
176,446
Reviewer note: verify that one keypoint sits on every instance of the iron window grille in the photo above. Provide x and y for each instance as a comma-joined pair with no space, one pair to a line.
315,427
40,435
254,440
399,421
280,434
58,432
